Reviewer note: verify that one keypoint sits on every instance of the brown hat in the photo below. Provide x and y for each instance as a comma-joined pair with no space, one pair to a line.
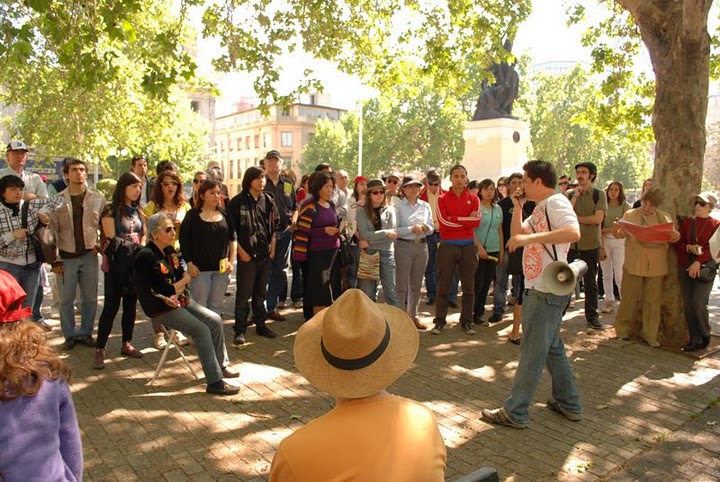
706,197
355,347
374,184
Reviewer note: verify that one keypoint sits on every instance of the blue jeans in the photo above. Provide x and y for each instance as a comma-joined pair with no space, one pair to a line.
208,289
501,285
83,271
278,276
27,276
387,278
206,328
696,296
542,346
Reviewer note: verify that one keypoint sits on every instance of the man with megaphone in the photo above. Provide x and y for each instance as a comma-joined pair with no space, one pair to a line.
546,236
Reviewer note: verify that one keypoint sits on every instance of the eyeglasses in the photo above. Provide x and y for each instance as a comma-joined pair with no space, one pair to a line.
434,184
168,183
197,181
169,229
377,192
563,183
392,181
700,203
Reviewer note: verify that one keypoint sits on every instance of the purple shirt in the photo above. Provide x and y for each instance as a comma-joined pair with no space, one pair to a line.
319,240
40,438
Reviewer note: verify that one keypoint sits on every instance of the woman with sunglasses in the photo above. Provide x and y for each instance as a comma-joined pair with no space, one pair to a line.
198,179
123,231
168,197
207,242
693,251
377,224
162,284
502,188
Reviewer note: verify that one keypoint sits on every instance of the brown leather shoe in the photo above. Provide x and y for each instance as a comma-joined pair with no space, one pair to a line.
276,316
419,325
129,350
99,361
229,372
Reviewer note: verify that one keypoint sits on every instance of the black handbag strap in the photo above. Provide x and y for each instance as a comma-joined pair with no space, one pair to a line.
554,254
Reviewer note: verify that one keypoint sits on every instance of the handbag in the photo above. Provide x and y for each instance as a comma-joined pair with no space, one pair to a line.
709,269
42,238
369,265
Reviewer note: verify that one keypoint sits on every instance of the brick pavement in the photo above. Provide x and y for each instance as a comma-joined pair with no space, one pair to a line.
646,410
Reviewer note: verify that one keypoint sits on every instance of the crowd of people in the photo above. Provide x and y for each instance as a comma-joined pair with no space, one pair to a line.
343,241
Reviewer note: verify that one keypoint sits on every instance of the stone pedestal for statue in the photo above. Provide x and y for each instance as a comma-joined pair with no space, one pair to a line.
495,147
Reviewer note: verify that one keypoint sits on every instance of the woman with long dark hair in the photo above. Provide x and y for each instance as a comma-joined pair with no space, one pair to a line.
40,438
612,249
123,231
168,197
207,242
489,242
316,241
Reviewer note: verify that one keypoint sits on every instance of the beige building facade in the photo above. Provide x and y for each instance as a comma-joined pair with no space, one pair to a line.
242,139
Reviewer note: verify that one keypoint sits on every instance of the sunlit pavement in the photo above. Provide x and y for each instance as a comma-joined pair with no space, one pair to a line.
646,410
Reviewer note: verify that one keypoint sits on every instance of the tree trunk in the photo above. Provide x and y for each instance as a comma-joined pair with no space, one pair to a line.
675,34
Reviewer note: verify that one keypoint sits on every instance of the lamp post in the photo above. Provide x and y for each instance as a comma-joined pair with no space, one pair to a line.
360,141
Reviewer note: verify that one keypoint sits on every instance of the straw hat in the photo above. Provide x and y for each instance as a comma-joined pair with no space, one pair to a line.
355,347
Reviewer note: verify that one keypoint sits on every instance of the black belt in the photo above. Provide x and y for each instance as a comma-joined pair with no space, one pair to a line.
413,241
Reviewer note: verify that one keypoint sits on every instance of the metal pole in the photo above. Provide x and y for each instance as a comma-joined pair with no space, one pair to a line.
360,141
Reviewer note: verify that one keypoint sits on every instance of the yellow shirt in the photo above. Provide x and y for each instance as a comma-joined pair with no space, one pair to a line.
365,440
182,210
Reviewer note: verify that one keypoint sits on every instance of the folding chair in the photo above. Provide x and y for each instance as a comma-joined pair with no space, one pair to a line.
170,335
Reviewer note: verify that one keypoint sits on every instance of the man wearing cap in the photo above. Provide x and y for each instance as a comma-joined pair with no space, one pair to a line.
354,350
590,205
283,192
393,187
16,156
75,222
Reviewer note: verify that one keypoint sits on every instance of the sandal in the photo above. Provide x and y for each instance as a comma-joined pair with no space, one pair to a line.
514,341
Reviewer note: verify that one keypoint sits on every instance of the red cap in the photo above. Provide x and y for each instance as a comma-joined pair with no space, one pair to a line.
11,299
360,179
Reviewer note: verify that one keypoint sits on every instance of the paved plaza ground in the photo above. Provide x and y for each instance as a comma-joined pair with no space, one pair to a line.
650,414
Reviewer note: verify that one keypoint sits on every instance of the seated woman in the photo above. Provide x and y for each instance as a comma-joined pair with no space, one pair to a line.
40,438
161,284
693,251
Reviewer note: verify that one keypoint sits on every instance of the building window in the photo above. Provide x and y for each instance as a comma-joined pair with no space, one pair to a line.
239,143
247,142
286,111
231,169
286,139
266,139
195,106
257,141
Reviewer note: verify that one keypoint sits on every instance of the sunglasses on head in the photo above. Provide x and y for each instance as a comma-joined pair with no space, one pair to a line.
377,192
700,203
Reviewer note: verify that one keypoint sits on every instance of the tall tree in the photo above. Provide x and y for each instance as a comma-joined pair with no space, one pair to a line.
675,34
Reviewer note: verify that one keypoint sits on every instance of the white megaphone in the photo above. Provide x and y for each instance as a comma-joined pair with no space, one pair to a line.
560,277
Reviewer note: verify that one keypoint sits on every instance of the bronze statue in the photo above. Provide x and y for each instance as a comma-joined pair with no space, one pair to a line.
496,100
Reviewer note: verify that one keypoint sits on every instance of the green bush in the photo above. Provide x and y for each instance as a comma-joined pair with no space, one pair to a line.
106,187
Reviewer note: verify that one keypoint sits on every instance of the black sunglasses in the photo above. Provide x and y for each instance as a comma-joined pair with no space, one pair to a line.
392,181
434,184
701,203
377,192
563,183
169,229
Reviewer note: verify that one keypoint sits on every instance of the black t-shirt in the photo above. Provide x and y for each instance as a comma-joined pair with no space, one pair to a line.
506,205
205,243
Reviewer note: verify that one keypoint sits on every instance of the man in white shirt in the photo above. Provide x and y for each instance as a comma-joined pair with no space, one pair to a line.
16,156
546,236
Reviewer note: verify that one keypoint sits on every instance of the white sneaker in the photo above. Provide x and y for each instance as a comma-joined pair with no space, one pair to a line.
159,341
180,339
298,304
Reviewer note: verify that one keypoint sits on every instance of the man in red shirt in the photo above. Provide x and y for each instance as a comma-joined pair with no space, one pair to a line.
458,214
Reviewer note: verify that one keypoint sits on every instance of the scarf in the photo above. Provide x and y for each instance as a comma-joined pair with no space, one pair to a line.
14,207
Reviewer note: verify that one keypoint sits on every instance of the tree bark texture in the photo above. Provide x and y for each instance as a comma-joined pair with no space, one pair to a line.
675,34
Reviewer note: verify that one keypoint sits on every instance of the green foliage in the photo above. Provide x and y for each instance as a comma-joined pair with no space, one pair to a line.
106,186
377,41
65,110
417,128
564,112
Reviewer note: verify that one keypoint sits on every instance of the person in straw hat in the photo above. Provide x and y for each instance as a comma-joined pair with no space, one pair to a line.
370,434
